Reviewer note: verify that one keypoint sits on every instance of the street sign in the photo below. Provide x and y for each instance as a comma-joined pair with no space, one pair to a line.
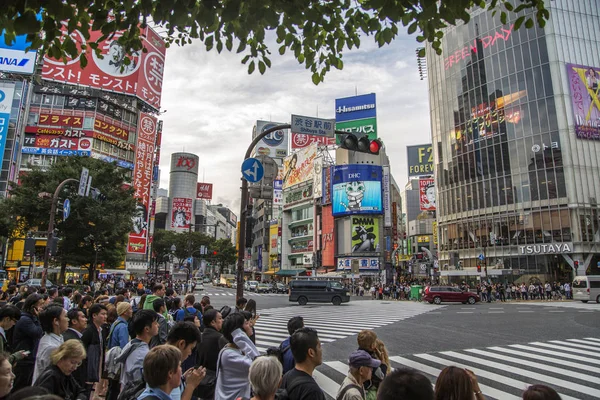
83,180
252,170
313,126
481,257
66,208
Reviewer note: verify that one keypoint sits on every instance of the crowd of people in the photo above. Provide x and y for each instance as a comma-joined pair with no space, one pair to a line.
145,342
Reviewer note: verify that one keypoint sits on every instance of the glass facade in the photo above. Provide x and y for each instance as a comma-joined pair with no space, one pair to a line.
509,169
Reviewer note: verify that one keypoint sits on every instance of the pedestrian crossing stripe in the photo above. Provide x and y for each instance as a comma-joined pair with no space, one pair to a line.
334,322
503,372
248,295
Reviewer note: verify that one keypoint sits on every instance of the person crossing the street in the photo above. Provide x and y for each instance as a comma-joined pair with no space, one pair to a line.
361,369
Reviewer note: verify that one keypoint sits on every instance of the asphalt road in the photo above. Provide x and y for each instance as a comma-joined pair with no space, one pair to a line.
508,345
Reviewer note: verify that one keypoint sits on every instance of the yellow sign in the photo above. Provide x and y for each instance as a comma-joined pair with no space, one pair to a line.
404,257
423,239
435,232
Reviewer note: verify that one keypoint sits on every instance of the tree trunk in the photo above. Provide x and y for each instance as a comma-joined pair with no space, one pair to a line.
61,276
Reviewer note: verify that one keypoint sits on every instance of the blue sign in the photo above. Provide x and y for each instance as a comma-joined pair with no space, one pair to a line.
481,257
6,99
55,152
356,189
13,58
66,208
252,170
278,184
120,163
356,107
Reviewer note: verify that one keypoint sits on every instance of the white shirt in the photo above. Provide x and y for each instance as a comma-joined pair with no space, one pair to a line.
48,342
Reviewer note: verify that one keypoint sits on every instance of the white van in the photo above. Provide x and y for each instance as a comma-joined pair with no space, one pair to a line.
586,288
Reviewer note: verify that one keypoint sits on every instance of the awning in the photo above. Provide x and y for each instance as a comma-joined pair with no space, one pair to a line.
289,272
270,272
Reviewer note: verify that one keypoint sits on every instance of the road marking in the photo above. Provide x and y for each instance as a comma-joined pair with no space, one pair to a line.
585,311
592,339
326,384
571,349
557,311
496,308
464,312
553,360
495,312
580,346
557,354
468,308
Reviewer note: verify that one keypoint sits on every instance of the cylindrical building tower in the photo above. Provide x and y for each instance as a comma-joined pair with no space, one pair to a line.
182,191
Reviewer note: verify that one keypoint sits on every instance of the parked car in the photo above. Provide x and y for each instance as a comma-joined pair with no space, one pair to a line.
280,288
246,286
206,280
252,285
37,283
439,294
263,288
199,286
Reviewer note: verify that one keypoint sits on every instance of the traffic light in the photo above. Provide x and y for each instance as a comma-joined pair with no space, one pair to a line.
362,145
249,229
478,268
215,253
576,264
96,194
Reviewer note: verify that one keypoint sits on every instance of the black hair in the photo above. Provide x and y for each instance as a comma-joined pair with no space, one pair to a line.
157,304
28,392
52,291
405,384
67,291
209,316
241,301
247,314
143,319
251,307
174,303
157,287
169,292
301,341
294,324
10,311
48,315
190,318
186,331
198,307
122,291
96,309
73,314
31,301
140,292
231,323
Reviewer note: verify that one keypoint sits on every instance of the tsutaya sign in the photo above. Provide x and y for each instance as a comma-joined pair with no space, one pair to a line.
552,248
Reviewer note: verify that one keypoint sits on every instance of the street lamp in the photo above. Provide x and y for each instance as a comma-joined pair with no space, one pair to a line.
171,256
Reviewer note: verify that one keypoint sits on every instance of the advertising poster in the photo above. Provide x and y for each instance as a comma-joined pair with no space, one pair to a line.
318,178
204,191
14,58
142,77
420,160
275,144
181,215
300,141
357,115
141,182
7,91
426,195
365,234
364,264
584,82
278,192
298,167
327,238
356,189
273,234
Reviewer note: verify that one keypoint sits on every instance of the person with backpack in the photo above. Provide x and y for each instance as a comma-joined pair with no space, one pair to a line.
207,352
361,368
163,326
145,325
188,309
185,336
118,337
162,373
287,358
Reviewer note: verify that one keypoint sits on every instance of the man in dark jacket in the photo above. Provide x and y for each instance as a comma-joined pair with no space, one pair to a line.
77,324
212,340
93,343
26,336
163,326
293,325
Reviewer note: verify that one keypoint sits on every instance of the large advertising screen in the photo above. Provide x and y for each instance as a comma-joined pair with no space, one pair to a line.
584,82
142,77
420,160
181,215
298,167
427,195
142,180
7,91
356,189
365,234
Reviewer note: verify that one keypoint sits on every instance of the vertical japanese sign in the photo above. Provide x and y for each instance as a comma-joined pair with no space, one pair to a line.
142,181
387,212
7,91
584,82
327,237
427,195
182,213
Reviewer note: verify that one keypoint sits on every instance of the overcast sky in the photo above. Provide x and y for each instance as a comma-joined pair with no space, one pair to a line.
212,104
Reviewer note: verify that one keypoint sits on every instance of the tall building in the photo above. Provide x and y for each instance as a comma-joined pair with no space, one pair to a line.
515,119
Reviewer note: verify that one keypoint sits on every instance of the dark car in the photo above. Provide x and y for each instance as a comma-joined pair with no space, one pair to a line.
318,291
439,294
280,288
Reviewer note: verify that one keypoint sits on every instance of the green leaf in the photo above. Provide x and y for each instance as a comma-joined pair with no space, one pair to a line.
412,28
316,79
83,61
282,50
267,61
529,23
219,46
519,22
300,58
245,59
262,67
251,67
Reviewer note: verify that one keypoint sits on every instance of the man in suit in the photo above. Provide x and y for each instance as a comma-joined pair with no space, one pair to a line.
77,324
93,342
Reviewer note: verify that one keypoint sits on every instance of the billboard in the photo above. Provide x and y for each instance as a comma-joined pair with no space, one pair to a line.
181,214
426,195
7,91
298,167
365,234
420,160
142,77
318,178
327,238
278,192
584,82
356,189
13,58
300,140
365,264
357,115
204,191
275,144
141,182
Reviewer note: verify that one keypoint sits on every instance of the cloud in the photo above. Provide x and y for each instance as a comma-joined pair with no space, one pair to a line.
213,104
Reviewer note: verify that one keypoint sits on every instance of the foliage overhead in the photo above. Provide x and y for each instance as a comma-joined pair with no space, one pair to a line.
92,226
316,32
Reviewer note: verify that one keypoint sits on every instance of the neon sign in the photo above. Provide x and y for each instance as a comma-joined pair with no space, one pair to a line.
486,42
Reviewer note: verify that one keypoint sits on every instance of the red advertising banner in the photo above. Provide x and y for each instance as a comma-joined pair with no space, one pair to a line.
300,140
142,179
204,191
427,194
142,77
56,142
327,238
61,120
182,213
110,129
115,142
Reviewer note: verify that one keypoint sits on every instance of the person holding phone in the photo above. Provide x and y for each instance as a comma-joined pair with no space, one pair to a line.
26,337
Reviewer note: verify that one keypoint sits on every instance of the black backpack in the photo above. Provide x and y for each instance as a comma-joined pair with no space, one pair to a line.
278,352
133,389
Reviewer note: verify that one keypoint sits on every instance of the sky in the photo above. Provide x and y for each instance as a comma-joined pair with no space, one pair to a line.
210,104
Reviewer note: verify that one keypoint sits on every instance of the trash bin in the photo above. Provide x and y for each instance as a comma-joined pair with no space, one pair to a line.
416,292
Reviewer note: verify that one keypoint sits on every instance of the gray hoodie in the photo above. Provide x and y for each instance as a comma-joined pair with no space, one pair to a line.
132,358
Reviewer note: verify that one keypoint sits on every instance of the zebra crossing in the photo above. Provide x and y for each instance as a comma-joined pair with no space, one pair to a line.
332,322
571,367
247,295
573,305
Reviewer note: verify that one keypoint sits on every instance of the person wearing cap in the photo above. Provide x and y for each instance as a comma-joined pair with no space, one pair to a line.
361,368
